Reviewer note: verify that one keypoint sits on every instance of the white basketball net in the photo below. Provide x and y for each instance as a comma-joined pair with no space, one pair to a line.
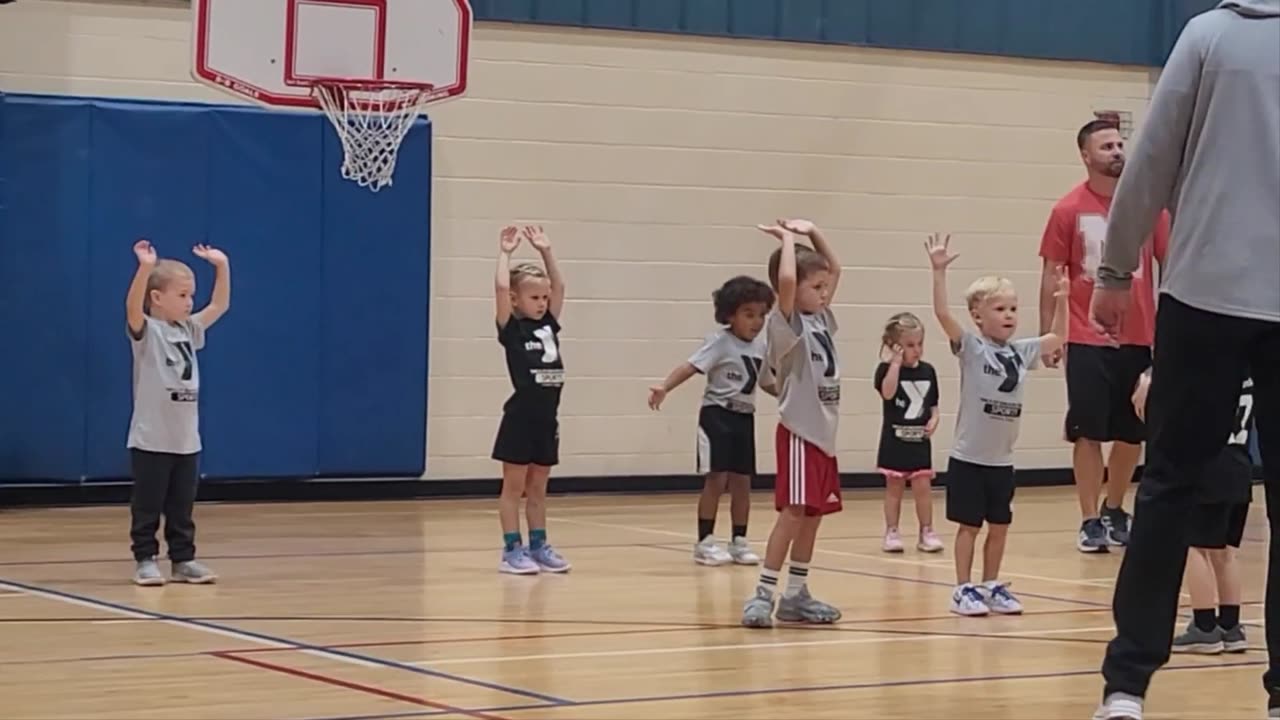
371,127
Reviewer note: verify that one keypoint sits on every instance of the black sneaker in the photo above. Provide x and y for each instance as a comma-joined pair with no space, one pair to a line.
1093,537
1116,522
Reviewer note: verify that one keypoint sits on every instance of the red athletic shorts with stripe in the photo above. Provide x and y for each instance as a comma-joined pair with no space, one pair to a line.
807,476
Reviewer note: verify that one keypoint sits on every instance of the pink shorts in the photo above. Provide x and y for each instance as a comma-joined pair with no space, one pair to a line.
907,476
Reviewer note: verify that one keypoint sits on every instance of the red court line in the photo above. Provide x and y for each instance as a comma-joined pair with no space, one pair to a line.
358,687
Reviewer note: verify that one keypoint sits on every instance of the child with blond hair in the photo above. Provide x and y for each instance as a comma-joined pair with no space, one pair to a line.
908,387
993,373
164,431
528,303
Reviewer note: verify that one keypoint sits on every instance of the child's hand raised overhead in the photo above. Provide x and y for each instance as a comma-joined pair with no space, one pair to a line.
536,237
212,255
799,227
938,248
146,254
509,239
777,231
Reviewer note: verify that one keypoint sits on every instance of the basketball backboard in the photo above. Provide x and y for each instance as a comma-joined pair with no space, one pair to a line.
276,51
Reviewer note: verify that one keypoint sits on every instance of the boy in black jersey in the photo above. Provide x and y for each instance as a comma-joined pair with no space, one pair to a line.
528,301
1216,531
909,388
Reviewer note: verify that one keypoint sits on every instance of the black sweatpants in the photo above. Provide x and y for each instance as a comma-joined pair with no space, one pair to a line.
1201,360
164,484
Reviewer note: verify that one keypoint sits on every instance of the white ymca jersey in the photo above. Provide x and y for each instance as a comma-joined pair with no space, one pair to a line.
801,355
732,366
992,380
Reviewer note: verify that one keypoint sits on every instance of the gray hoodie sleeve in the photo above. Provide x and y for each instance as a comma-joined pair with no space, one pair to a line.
1151,172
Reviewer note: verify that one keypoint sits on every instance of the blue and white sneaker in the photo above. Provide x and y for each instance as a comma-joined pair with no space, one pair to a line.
968,601
517,562
999,600
549,560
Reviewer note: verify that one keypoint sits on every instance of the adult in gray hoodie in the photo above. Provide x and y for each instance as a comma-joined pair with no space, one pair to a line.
1209,151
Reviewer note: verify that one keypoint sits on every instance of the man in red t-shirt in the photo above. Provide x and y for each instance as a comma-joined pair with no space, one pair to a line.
1101,374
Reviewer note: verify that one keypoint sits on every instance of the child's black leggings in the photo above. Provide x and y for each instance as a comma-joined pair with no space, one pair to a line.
164,484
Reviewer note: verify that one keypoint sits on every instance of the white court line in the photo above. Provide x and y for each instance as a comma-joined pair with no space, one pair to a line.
186,624
755,646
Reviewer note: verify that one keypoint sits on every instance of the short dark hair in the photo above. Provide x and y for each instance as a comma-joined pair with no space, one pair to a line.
808,261
737,292
1092,127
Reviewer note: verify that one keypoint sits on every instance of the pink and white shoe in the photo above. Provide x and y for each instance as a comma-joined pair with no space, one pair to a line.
929,541
892,541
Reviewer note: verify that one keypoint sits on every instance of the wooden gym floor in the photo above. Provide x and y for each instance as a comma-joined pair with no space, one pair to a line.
396,610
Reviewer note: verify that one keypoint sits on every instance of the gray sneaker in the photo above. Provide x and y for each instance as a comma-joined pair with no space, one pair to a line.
758,612
1234,641
803,607
192,572
1197,641
1093,537
148,574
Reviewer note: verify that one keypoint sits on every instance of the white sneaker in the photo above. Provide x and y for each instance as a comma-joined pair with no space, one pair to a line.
929,541
892,541
967,600
1119,706
999,599
741,552
710,552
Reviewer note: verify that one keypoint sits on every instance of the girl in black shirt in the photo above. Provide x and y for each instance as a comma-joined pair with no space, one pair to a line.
909,388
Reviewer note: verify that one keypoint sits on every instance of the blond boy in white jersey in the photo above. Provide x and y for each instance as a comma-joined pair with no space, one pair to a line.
980,476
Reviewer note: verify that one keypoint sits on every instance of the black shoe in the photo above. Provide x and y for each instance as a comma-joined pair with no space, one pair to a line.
1116,521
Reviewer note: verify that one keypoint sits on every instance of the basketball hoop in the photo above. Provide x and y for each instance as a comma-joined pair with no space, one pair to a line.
372,119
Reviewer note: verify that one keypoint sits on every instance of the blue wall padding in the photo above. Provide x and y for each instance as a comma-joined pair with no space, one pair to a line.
1131,32
45,220
320,367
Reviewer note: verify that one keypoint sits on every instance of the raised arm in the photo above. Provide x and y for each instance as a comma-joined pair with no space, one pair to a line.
136,299
539,240
939,258
681,373
1052,341
220,303
786,268
889,383
508,241
820,246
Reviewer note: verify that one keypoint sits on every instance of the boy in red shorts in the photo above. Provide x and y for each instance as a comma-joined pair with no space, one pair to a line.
801,364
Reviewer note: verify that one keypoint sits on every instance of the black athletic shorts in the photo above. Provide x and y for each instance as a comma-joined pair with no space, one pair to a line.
979,493
1218,525
726,441
527,439
1100,383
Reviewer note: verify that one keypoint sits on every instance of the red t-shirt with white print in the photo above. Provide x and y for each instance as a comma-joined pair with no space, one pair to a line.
1074,237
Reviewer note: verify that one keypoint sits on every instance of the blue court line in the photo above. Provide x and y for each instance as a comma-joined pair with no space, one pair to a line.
203,624
920,581
798,689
